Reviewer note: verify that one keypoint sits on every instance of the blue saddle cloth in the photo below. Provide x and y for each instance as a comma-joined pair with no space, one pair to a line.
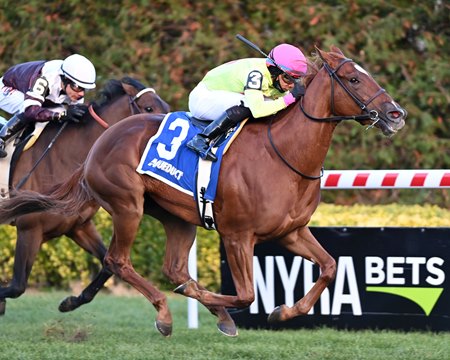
167,158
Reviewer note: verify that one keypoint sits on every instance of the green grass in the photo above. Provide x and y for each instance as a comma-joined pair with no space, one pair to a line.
121,327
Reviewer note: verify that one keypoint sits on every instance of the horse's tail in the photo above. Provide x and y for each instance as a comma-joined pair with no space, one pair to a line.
65,199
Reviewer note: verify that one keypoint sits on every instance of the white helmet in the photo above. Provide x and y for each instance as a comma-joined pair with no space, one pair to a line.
80,70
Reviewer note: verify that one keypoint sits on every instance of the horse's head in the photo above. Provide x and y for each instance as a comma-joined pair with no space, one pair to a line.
143,99
123,98
356,95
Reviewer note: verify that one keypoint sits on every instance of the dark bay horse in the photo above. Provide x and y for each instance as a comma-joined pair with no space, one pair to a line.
119,99
268,190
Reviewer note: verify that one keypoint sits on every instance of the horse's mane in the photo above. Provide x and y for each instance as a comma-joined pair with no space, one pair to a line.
314,65
113,89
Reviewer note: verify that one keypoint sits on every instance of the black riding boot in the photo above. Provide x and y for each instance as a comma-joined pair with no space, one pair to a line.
12,127
200,142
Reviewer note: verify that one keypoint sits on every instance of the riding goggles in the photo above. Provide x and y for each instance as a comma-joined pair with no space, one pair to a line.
76,87
289,79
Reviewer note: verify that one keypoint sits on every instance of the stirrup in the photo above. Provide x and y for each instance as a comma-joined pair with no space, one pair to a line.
200,145
207,155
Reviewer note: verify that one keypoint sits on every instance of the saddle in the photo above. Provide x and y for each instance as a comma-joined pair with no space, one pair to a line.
21,142
168,159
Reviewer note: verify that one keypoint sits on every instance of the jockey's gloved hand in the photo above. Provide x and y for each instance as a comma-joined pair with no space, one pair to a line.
298,90
74,113
294,94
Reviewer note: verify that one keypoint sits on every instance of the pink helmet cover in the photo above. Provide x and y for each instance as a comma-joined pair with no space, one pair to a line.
289,58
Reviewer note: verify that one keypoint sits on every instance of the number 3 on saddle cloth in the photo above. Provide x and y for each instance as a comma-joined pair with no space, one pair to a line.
167,159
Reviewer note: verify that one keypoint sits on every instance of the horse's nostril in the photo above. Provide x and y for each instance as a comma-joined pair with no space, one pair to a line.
395,114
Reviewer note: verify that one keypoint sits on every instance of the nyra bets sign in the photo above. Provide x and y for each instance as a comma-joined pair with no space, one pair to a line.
391,278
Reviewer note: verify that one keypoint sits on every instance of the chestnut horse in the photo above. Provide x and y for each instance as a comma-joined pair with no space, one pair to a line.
119,99
268,190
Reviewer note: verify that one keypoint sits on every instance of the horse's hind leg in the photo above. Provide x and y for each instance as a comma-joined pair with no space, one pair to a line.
27,246
180,237
87,295
117,260
304,244
87,237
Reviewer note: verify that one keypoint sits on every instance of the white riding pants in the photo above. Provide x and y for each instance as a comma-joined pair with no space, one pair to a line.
205,104
11,100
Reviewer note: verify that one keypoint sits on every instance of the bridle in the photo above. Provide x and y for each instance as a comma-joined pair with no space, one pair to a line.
369,114
134,99
134,108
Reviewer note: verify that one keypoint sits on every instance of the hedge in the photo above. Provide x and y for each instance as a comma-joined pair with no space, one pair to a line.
170,44
61,262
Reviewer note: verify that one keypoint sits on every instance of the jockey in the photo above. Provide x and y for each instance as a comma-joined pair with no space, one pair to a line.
29,89
235,90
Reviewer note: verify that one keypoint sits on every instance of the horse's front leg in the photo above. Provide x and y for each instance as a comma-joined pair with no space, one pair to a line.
180,237
239,249
301,242
27,247
88,238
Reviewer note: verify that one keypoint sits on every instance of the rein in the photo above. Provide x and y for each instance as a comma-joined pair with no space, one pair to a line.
309,177
97,118
134,108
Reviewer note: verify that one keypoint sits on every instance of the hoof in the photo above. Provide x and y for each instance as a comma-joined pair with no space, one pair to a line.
275,316
2,307
68,304
227,328
164,328
181,289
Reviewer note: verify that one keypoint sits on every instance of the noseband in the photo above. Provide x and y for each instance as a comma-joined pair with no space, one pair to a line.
369,114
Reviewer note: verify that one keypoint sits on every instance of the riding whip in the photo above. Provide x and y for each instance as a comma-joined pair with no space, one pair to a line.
26,177
256,47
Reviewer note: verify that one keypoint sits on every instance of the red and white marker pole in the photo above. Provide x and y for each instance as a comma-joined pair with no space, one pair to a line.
385,179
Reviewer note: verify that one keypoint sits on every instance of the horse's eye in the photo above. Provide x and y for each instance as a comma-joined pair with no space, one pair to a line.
149,109
354,80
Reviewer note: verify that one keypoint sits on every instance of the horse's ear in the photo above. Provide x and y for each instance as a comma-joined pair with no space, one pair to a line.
129,89
319,52
332,58
336,50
